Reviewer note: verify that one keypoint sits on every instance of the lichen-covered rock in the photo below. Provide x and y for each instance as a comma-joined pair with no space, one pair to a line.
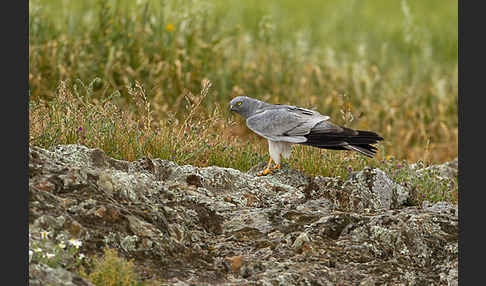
447,170
41,274
366,190
212,225
440,207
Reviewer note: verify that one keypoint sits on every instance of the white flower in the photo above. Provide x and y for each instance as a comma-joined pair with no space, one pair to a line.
49,255
38,249
62,245
75,242
81,256
45,234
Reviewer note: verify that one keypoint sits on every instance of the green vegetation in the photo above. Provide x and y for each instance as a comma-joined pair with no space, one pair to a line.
154,78
113,270
426,185
56,252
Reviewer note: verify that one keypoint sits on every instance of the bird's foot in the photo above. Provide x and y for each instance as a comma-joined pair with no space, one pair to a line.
265,172
276,167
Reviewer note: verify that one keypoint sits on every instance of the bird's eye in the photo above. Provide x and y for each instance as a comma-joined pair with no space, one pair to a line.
239,103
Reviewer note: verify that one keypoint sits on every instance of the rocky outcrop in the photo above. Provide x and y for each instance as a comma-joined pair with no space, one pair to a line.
215,225
41,274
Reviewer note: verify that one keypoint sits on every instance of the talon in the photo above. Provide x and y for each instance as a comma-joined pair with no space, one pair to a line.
265,172
276,167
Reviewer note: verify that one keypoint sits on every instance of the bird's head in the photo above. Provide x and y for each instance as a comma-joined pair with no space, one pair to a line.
243,105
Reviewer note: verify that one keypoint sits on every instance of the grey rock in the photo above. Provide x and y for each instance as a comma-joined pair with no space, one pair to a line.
387,193
440,207
41,274
369,189
220,226
300,241
445,170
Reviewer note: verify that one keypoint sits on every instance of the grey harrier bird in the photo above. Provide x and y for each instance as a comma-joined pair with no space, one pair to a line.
284,125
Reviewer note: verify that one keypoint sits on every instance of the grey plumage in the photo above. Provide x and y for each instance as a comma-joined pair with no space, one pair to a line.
283,125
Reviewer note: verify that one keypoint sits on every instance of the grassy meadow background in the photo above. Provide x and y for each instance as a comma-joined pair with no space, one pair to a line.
154,78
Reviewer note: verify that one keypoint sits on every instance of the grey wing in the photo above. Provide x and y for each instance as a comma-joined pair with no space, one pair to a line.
286,123
308,119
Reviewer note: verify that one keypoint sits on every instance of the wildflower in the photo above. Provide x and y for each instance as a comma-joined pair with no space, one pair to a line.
388,157
75,242
49,255
62,245
38,249
45,234
81,256
169,27
350,169
30,253
399,166
80,129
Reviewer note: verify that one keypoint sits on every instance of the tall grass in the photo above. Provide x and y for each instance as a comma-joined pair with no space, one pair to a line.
126,76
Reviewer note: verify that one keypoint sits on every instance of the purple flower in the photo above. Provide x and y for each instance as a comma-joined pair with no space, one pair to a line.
399,166
80,129
350,169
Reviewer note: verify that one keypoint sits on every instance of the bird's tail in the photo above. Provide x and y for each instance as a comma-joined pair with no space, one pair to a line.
345,139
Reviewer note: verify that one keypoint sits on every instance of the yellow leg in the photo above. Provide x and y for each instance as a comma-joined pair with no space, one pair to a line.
267,170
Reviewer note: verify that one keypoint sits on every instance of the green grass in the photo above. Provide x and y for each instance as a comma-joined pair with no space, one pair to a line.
130,75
